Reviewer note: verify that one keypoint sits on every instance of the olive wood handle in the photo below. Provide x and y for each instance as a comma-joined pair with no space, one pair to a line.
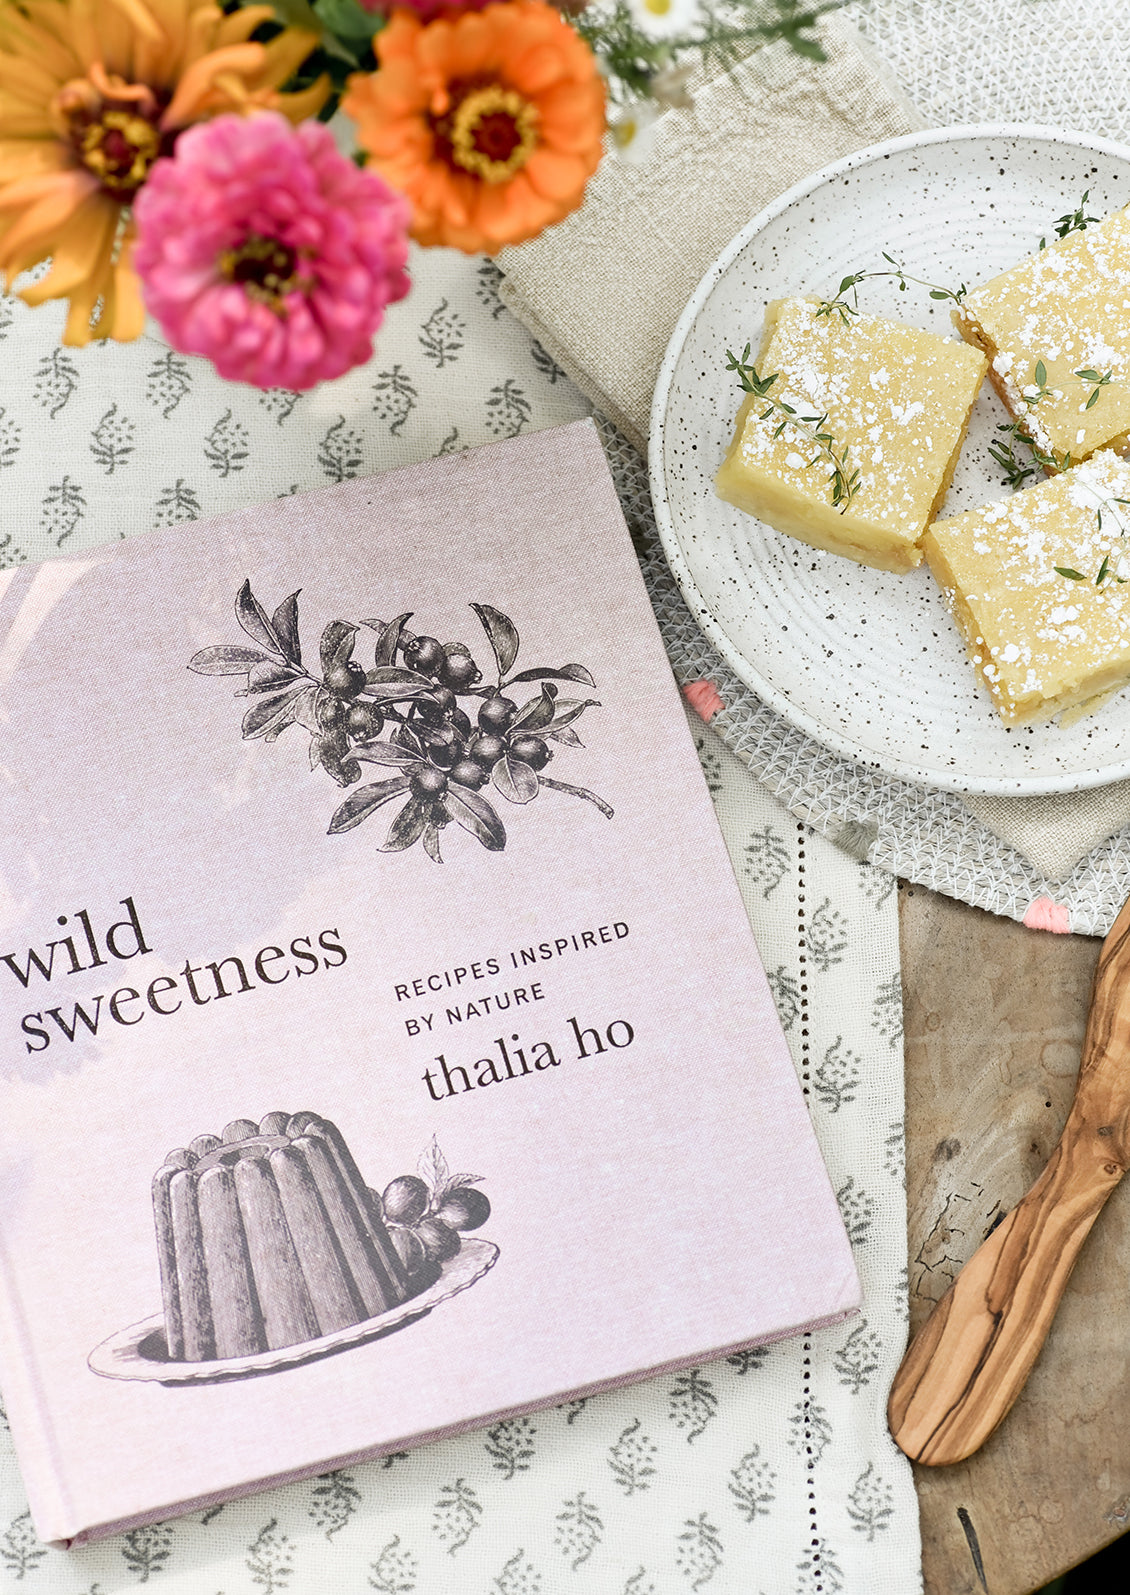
968,1362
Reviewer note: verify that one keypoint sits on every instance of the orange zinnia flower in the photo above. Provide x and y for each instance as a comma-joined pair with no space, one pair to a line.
489,122
91,93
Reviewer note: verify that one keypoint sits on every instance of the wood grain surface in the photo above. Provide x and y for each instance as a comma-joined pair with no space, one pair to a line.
994,1026
969,1361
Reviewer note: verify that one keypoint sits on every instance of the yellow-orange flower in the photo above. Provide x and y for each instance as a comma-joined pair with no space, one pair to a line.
490,122
91,93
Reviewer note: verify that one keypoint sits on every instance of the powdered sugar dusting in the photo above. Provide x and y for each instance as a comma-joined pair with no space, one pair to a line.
1037,588
897,397
1067,306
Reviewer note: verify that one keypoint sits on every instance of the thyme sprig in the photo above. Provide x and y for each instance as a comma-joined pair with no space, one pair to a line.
1073,222
1107,571
1100,381
846,309
1099,513
843,478
1018,468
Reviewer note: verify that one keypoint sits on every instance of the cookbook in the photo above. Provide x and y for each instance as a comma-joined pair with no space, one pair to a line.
384,1048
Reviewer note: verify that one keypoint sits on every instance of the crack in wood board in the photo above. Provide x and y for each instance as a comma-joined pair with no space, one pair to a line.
974,1546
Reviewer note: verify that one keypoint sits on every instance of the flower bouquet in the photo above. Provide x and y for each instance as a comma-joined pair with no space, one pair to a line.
171,157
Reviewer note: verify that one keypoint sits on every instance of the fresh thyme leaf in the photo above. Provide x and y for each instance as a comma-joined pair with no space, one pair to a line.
843,481
1072,575
1075,221
839,306
1100,379
1104,571
1016,468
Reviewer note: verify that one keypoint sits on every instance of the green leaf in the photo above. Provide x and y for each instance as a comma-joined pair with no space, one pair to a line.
296,14
1094,399
1041,373
347,19
1072,575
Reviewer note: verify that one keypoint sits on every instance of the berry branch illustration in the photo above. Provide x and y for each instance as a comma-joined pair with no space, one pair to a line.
422,710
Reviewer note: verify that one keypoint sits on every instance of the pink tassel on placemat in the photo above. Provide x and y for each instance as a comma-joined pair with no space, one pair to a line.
703,698
1043,914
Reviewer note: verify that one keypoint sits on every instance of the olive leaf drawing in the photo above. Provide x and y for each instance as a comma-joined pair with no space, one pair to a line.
421,710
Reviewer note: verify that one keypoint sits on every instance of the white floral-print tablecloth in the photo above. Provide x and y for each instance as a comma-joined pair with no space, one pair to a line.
769,1473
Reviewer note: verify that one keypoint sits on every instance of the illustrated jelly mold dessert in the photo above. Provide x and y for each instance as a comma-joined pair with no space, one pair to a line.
268,1236
895,401
1040,590
1066,309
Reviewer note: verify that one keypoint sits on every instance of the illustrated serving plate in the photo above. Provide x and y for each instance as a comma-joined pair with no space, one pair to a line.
139,1351
866,662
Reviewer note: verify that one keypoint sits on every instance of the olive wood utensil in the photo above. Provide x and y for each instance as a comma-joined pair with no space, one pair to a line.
968,1363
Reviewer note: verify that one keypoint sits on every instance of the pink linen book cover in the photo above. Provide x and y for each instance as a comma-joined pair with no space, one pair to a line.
383,1045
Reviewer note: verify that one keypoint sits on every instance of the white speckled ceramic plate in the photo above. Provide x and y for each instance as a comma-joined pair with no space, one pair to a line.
866,662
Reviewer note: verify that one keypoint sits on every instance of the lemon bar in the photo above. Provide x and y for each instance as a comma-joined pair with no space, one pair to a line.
1066,310
894,400
1039,586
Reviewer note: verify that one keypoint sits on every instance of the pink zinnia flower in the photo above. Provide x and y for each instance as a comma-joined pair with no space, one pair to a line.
264,249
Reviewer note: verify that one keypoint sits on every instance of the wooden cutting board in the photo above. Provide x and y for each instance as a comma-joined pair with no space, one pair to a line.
994,1025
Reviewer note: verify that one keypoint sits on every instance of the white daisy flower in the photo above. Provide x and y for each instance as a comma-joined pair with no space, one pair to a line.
662,18
632,130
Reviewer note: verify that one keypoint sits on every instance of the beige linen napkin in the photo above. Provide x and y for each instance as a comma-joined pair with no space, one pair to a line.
1056,832
602,292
